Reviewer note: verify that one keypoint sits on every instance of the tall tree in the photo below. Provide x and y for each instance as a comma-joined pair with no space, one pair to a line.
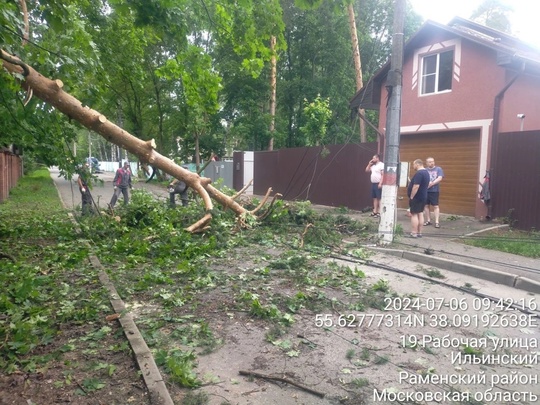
494,14
57,24
273,84
357,63
317,61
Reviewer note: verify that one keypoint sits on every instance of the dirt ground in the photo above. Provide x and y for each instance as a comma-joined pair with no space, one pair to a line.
349,364
101,371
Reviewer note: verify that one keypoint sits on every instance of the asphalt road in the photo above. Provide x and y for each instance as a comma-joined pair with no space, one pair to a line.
102,191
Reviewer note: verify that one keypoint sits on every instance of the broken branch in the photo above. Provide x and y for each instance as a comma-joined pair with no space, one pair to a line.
269,210
234,197
50,91
282,379
263,201
304,234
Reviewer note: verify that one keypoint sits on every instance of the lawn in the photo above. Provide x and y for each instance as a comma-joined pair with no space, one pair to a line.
510,241
55,344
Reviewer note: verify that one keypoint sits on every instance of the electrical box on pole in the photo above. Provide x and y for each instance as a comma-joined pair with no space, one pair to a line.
393,122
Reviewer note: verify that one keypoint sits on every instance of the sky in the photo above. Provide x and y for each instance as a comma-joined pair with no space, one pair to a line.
524,19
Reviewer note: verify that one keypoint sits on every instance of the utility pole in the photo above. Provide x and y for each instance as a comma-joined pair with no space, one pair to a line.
393,123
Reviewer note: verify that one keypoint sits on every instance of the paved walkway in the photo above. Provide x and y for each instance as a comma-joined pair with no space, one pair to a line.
445,246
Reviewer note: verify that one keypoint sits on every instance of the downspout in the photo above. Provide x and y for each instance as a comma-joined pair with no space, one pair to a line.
495,129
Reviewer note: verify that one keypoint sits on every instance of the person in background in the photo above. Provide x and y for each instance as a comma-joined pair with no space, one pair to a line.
376,167
417,193
178,187
436,175
121,183
86,198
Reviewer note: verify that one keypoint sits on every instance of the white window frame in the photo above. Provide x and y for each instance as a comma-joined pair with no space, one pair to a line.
436,74
438,47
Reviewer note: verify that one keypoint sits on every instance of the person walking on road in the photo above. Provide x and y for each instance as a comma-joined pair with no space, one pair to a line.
121,183
436,175
376,167
86,198
417,193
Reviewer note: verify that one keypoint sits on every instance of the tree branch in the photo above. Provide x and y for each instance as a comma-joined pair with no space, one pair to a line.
282,379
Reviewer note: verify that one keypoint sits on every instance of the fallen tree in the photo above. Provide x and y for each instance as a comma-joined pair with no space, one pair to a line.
50,91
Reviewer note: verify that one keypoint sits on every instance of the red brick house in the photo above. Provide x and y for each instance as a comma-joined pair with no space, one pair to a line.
463,83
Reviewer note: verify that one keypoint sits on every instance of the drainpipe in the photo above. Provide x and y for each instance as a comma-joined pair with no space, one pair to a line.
495,129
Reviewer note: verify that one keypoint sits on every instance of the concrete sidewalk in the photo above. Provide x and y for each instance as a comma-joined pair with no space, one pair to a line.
444,247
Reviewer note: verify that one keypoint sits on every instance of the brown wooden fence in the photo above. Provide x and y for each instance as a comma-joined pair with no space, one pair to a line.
333,175
515,179
11,170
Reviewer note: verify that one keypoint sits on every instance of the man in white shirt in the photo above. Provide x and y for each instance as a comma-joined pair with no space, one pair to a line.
376,167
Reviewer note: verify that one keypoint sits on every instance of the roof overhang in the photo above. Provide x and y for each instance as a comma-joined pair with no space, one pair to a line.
512,54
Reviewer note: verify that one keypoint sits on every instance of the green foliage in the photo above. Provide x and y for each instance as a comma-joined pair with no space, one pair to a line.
179,365
435,273
43,283
197,334
192,75
175,274
381,285
195,398
317,114
494,14
90,385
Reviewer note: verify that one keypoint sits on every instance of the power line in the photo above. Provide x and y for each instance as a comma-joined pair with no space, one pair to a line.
435,281
483,260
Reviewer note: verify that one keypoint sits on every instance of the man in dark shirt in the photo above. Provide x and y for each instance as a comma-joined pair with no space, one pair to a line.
417,192
83,181
178,187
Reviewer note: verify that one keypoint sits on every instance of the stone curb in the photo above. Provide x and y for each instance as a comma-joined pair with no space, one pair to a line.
157,390
496,276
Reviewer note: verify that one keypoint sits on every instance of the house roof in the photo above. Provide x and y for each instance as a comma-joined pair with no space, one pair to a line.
512,54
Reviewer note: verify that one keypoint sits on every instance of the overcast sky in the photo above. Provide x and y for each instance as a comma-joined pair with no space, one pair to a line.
524,19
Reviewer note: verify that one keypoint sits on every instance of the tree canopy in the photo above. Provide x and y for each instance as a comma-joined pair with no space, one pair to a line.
193,75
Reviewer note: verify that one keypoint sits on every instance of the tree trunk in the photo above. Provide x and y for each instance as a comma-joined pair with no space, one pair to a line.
197,152
157,91
273,63
357,63
51,92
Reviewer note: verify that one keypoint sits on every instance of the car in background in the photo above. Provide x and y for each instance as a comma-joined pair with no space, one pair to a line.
94,164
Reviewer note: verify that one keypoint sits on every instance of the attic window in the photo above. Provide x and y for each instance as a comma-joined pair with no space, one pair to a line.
437,72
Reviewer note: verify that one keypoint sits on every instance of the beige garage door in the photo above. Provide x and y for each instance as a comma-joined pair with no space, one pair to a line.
457,154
